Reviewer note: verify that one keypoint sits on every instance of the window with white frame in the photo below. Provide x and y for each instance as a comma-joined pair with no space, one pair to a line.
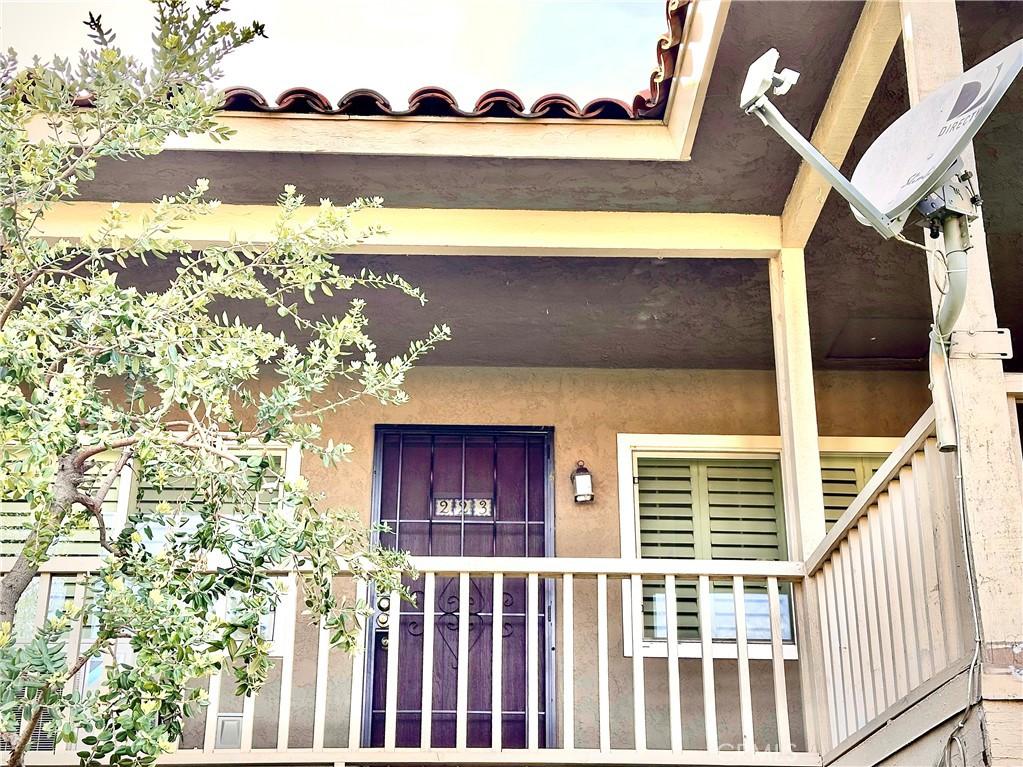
170,502
720,497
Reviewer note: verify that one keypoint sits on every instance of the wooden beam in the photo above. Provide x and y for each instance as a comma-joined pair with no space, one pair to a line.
865,60
438,137
991,485
705,24
472,232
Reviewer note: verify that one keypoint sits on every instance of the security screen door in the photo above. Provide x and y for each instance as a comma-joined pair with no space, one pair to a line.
463,492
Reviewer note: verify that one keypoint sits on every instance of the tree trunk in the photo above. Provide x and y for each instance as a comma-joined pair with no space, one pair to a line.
25,568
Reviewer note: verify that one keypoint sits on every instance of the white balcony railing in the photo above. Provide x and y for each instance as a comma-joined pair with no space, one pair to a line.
888,610
603,707
590,668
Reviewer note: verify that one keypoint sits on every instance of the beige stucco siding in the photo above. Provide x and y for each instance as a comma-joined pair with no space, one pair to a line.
587,409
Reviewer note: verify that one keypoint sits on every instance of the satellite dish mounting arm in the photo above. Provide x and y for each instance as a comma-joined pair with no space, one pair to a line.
762,78
772,118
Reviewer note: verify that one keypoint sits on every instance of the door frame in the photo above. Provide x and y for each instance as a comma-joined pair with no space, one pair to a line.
550,645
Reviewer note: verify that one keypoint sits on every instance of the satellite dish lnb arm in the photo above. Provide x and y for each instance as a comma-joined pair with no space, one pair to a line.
772,118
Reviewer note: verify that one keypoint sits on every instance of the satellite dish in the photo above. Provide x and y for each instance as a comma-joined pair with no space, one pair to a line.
916,153
914,164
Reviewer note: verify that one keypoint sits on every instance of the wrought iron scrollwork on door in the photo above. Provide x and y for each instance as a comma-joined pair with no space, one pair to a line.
446,617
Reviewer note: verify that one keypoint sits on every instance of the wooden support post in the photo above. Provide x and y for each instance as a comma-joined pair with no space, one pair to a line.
800,456
797,410
990,473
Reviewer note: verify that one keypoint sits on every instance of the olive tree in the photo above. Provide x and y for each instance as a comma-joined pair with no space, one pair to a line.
99,377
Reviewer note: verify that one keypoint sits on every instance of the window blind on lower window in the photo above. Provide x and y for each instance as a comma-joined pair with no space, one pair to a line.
705,508
843,475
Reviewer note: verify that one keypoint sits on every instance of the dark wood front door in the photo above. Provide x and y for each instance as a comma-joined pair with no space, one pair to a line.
472,493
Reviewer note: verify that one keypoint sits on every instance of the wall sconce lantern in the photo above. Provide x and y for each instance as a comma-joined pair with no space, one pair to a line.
582,483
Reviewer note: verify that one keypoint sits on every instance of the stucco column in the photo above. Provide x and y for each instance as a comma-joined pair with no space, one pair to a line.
800,456
991,480
797,407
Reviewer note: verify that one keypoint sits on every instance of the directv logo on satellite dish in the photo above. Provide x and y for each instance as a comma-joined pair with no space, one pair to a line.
967,101
925,143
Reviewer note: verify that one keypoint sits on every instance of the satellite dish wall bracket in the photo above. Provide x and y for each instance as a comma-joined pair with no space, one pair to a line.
981,344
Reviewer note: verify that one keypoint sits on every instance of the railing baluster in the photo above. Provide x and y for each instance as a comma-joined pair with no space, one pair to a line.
884,625
946,532
393,650
74,642
827,649
902,555
848,592
209,741
426,707
872,614
674,687
462,695
638,678
248,721
781,698
911,522
320,699
568,663
924,532
358,667
286,615
603,684
532,662
710,717
862,637
497,667
840,653
742,645
892,568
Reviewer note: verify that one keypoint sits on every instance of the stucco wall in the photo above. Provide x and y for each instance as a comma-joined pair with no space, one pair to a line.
587,409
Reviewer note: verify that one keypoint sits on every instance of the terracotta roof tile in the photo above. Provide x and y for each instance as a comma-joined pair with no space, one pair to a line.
649,104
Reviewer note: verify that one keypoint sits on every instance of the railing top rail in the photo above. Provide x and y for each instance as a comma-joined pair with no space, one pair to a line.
1014,384
901,456
545,566
713,568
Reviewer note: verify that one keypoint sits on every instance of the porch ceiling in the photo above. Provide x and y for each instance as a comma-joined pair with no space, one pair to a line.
603,313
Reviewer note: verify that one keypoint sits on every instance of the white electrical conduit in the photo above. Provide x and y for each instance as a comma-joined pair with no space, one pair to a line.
949,308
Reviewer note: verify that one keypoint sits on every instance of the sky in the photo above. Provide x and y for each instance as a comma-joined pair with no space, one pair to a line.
582,48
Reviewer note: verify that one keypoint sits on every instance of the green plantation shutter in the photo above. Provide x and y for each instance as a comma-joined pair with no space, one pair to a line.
843,476
81,540
744,513
42,739
179,492
704,509
666,527
664,488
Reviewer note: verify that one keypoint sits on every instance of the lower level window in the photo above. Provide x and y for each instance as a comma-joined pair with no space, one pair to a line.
710,508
